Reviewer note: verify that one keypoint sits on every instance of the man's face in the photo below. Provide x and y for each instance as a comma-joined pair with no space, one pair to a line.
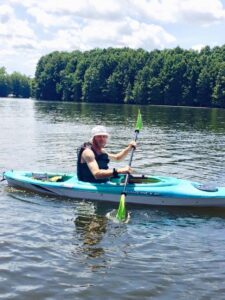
100,140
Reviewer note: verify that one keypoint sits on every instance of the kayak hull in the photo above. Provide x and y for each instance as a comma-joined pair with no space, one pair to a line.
154,190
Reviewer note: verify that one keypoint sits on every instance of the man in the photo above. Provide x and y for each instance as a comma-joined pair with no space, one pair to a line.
92,163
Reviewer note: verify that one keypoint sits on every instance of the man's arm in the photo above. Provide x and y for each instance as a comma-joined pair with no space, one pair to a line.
123,153
89,157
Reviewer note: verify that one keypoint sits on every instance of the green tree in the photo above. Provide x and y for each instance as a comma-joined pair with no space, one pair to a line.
219,89
141,87
204,88
20,85
4,83
49,74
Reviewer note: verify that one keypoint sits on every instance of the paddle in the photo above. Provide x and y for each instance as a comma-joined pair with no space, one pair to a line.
121,213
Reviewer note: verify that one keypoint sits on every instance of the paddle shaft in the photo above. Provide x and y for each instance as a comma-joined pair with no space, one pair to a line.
130,162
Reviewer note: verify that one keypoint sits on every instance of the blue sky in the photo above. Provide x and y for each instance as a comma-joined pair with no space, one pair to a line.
32,28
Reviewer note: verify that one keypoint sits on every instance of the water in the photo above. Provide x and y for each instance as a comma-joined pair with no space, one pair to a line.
65,249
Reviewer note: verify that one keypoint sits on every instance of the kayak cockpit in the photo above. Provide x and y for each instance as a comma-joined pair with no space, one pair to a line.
143,180
46,177
135,179
140,180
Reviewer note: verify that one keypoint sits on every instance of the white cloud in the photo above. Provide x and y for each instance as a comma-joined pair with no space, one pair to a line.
39,27
17,41
204,12
6,12
90,9
154,10
170,11
12,26
198,47
127,33
62,41
148,37
48,20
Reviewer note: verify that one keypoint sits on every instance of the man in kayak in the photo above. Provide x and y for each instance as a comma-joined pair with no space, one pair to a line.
93,160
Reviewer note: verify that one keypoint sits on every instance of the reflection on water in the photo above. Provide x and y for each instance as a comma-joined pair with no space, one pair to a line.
91,229
202,119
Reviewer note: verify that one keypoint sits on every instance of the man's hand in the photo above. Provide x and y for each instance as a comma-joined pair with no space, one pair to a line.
124,170
132,144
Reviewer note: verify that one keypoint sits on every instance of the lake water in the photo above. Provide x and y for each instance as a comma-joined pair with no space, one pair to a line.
65,249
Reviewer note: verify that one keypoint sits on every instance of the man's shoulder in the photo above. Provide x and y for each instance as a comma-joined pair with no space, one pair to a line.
84,147
88,153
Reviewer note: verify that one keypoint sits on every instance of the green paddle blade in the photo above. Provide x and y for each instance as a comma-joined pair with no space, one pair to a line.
121,213
139,121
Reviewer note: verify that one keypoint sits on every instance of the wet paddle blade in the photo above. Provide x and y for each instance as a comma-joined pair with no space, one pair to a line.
121,213
139,121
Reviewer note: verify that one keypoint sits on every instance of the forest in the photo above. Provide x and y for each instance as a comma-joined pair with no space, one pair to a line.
124,75
15,84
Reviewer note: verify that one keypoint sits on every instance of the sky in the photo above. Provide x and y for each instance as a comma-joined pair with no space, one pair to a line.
30,29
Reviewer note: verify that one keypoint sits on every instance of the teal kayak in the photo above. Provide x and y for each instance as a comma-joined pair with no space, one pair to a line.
144,190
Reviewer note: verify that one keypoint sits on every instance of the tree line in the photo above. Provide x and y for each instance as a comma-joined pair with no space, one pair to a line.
167,77
162,77
15,84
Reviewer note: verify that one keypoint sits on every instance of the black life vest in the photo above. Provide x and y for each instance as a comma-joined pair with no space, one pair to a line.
83,172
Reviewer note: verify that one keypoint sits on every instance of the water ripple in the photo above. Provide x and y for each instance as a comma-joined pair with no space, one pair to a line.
64,249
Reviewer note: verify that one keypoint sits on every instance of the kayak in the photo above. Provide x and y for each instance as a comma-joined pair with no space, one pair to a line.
143,190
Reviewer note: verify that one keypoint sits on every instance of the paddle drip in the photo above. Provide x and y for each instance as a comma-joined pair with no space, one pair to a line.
112,216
